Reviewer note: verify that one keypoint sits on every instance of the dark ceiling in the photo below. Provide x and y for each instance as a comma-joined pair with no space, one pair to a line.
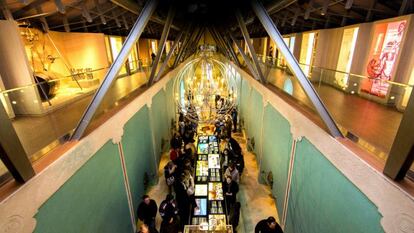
116,17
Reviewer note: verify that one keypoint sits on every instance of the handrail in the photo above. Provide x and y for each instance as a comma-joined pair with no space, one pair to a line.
342,72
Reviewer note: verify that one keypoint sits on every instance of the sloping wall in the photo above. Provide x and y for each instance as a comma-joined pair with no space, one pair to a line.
97,184
319,185
92,200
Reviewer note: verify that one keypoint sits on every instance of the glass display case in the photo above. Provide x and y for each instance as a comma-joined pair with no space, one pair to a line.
200,190
215,191
210,214
217,222
203,148
201,209
213,161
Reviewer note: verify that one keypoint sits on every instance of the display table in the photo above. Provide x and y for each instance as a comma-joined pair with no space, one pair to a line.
211,212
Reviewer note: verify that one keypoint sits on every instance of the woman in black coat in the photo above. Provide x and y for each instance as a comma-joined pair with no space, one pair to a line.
230,189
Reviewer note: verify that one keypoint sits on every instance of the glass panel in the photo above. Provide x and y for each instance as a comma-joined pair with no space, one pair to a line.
116,45
4,174
368,108
44,112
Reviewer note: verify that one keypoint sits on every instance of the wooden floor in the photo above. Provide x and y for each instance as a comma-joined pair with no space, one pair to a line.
376,125
41,132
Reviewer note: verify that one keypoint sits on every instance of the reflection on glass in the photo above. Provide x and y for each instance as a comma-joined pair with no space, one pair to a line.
116,45
4,174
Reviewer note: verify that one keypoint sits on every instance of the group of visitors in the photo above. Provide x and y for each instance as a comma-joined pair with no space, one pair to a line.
179,203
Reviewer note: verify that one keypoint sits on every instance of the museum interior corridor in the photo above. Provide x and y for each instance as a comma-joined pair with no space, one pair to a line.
230,116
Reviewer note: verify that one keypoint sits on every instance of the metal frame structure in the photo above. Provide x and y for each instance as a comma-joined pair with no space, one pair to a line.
170,53
193,44
401,156
229,46
186,40
293,64
161,48
12,152
246,37
113,71
246,59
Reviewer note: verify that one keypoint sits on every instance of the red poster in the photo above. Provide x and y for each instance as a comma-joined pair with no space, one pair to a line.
383,54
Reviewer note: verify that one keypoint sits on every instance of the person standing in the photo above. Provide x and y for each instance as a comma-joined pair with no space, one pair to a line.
232,172
147,210
168,208
170,225
268,225
230,189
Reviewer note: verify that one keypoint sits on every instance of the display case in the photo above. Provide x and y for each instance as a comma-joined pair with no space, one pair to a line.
203,148
215,191
210,213
200,190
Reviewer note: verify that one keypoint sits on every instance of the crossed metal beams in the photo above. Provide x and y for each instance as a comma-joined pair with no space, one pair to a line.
163,39
113,71
293,64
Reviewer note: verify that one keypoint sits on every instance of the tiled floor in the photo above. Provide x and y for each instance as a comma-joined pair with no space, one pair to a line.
256,200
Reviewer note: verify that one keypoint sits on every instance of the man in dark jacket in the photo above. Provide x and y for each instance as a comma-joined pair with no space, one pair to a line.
168,208
170,225
268,225
230,189
147,210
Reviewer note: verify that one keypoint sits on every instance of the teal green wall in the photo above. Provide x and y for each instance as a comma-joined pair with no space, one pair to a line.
159,121
323,200
138,152
92,200
277,146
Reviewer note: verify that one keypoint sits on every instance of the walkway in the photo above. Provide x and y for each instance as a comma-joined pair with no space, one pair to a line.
373,122
256,200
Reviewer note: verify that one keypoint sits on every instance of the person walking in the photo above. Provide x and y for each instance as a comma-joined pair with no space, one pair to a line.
147,210
268,225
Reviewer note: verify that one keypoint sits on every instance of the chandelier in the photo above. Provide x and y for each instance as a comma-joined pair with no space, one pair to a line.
205,89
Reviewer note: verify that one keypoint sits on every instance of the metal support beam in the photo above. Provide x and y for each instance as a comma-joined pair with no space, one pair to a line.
403,7
348,4
118,24
169,55
369,13
308,9
233,54
85,13
66,24
228,47
401,156
164,36
12,152
116,66
60,7
295,68
246,37
125,22
219,43
246,59
193,44
134,8
6,11
183,47
99,9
